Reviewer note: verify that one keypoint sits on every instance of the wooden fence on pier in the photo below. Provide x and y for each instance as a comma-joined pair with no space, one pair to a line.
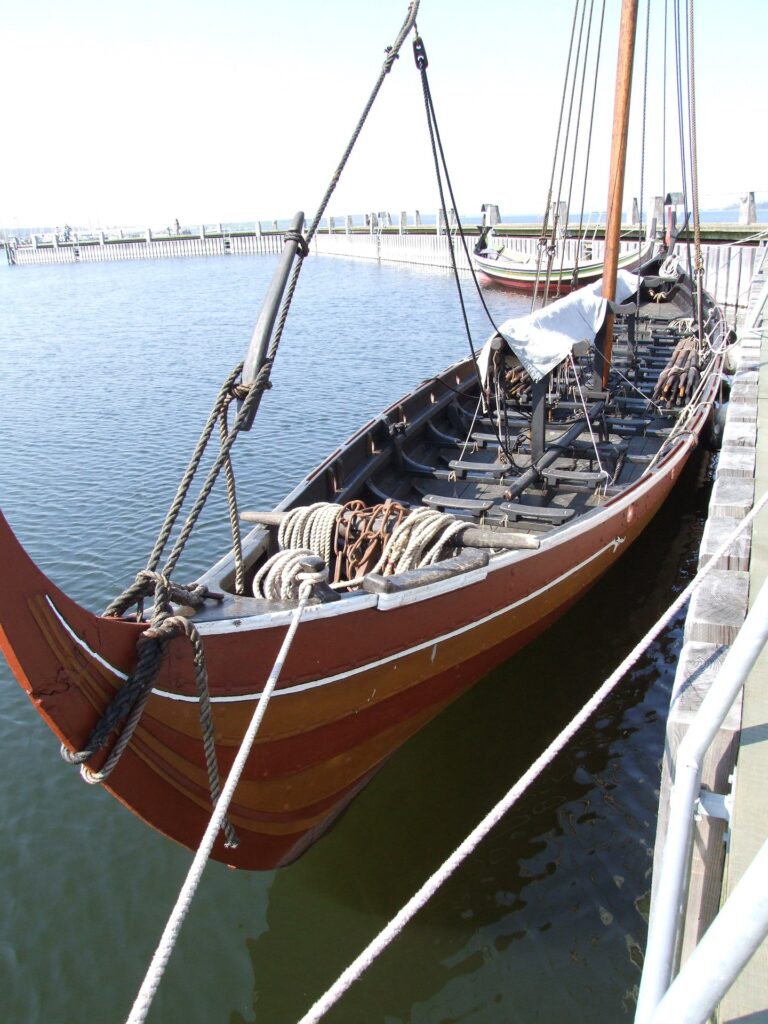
728,267
148,248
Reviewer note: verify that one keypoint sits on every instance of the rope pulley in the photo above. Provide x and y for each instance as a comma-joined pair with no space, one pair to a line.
420,54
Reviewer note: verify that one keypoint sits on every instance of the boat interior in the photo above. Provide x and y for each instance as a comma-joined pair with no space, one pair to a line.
469,451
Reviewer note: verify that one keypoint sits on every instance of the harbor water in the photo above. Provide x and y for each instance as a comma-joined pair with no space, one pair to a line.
108,373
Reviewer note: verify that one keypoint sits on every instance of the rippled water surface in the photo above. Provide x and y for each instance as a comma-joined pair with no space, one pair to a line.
108,371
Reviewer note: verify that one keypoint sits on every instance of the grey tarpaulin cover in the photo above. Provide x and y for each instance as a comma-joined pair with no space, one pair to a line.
543,339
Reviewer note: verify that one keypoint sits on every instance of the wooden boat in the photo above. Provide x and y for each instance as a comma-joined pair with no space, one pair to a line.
545,476
524,272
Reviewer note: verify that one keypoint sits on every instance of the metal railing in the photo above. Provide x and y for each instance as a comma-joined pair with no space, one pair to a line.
733,937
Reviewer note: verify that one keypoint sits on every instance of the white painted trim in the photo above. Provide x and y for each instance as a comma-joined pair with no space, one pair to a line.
315,683
82,644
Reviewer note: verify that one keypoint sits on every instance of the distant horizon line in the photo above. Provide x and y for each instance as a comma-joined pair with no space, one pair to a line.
529,217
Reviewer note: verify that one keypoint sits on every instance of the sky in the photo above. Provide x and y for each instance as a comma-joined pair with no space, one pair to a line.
139,112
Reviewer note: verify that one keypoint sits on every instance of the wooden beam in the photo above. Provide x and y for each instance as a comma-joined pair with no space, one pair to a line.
618,165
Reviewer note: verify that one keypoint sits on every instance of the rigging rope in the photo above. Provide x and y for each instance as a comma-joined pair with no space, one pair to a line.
556,218
576,144
545,219
438,155
642,145
171,931
591,126
699,265
433,883
131,699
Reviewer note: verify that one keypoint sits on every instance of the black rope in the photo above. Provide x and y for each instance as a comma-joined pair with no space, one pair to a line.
574,280
441,170
556,218
591,126
642,147
545,221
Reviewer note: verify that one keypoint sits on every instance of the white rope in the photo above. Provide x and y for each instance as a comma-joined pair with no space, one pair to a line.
433,883
279,578
311,526
418,540
471,427
589,421
168,939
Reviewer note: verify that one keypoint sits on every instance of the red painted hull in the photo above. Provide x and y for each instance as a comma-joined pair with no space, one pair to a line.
356,685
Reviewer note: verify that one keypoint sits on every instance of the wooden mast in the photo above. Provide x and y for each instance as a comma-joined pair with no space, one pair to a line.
618,163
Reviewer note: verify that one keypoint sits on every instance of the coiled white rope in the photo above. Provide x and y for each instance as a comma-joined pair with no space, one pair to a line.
419,540
279,578
170,934
311,526
433,883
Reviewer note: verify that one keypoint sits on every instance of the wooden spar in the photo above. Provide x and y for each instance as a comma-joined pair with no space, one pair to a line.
618,165
262,332
470,536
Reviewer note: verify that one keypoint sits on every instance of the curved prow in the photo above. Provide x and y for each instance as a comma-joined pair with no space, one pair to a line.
68,660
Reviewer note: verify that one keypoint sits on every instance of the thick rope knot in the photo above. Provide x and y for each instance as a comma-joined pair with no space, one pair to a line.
148,583
296,236
309,580
260,382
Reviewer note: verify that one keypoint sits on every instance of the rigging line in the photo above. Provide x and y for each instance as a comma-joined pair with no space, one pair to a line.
420,898
583,401
454,204
393,53
664,108
545,220
642,145
432,127
576,132
699,273
681,131
591,123
645,117
438,155
170,934
576,140
556,217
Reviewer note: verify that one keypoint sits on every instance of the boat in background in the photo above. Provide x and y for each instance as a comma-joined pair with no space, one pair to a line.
442,537
526,272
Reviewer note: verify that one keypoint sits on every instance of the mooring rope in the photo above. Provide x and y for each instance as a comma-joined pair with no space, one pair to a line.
170,934
433,883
